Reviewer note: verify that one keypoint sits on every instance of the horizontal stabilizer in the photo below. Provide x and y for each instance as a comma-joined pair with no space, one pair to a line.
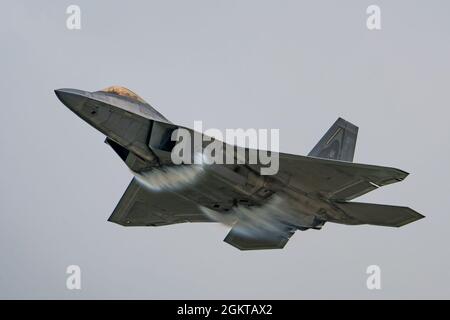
379,214
247,239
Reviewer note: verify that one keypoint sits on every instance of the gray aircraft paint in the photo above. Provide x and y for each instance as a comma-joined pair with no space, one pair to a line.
264,211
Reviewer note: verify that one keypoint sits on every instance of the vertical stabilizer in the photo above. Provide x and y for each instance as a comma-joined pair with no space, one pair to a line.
338,143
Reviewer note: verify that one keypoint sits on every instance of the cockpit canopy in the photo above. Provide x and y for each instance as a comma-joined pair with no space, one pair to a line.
124,92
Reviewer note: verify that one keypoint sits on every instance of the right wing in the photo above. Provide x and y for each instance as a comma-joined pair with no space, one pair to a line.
140,206
331,179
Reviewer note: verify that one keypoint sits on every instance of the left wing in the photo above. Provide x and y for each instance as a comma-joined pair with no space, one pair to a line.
140,206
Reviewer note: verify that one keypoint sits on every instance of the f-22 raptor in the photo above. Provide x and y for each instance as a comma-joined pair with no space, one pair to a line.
263,211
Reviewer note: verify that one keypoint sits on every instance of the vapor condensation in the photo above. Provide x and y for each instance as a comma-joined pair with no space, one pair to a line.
253,221
169,177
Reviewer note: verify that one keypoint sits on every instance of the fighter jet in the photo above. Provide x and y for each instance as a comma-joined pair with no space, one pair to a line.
263,211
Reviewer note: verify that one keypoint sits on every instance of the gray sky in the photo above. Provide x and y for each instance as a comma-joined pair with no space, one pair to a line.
292,65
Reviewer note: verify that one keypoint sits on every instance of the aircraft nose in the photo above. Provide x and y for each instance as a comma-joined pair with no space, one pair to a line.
84,105
71,98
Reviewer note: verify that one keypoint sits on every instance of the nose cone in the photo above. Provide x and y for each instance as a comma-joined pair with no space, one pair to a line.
71,98
84,105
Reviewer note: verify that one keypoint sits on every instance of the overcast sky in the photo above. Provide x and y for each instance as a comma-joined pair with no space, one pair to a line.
292,65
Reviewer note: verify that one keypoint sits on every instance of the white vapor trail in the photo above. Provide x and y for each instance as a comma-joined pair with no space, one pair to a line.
254,221
169,177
